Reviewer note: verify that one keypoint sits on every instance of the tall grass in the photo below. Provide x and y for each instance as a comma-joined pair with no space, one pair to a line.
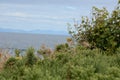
4,56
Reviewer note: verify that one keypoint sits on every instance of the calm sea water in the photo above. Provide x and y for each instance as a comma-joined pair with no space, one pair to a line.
23,41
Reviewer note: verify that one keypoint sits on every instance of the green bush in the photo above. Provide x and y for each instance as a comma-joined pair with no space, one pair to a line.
10,63
30,57
62,47
102,31
17,52
84,64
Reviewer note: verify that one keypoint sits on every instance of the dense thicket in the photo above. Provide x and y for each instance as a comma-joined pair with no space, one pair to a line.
64,64
101,31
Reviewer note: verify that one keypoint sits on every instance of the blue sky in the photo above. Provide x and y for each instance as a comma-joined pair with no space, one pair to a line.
46,14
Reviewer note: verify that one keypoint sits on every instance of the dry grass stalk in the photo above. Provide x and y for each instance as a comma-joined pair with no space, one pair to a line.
4,56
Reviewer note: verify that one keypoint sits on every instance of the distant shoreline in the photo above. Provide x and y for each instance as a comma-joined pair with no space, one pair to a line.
37,31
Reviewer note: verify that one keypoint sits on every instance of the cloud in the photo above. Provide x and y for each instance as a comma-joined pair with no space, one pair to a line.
71,8
58,2
20,17
16,14
34,15
35,11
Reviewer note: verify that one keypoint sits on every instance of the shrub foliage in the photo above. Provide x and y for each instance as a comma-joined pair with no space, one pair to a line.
83,64
101,31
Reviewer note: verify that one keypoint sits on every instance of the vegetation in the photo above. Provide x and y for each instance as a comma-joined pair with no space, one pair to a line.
4,56
30,57
61,47
45,51
80,64
17,52
69,61
101,31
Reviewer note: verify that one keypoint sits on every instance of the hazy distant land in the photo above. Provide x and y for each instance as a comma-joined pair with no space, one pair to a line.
37,31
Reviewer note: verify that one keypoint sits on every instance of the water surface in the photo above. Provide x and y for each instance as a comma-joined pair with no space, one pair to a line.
23,40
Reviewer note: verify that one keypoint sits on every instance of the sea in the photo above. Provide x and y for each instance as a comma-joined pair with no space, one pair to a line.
23,41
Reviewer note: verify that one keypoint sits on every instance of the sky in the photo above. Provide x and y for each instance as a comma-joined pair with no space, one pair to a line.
47,14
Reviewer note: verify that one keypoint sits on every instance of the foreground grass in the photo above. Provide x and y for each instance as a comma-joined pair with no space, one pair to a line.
65,64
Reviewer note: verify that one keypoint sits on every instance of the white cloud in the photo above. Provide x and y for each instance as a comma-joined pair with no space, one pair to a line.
19,11
25,16
15,14
9,5
71,8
